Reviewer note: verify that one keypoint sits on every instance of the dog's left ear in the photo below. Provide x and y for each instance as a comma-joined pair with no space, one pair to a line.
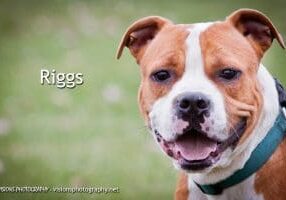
256,28
140,34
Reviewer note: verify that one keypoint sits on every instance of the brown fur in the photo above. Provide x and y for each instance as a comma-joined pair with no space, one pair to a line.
166,50
223,46
270,180
182,191
138,35
257,29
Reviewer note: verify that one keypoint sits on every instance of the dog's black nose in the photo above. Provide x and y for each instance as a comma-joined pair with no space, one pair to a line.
192,103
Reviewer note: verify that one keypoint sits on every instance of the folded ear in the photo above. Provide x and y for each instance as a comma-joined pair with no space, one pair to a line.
138,36
257,28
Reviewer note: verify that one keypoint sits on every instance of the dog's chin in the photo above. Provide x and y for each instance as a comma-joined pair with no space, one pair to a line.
195,152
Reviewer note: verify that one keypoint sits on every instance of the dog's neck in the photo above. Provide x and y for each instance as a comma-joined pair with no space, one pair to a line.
240,156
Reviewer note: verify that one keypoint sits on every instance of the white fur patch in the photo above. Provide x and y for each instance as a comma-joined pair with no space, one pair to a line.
194,79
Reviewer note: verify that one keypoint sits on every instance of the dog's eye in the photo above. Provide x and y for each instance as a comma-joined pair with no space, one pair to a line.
161,76
229,74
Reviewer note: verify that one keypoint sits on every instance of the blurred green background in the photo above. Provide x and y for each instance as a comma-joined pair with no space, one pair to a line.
92,135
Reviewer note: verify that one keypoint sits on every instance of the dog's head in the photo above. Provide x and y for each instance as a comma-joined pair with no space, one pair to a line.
199,93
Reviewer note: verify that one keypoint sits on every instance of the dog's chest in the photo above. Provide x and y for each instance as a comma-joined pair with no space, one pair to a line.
242,191
266,184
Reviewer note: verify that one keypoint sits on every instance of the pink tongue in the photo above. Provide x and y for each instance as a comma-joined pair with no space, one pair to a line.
195,146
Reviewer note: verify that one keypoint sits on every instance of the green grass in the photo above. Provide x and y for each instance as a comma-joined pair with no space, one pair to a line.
75,137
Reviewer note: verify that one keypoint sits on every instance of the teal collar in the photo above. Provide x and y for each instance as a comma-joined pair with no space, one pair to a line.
258,158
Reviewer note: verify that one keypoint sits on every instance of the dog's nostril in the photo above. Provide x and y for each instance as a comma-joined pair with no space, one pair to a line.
201,103
184,103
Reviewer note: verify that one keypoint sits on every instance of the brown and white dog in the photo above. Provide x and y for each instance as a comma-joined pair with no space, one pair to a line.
209,101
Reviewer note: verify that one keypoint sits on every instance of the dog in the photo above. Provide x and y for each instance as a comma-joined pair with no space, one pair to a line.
211,105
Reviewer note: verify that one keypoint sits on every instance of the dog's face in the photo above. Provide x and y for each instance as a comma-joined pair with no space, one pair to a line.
199,92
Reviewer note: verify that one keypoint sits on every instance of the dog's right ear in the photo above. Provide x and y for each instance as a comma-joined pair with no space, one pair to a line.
138,36
257,28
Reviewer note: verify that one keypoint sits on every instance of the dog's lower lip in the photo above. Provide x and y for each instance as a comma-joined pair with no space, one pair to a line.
195,165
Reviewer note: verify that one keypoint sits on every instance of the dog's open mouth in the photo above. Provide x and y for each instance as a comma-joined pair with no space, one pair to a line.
195,146
194,150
